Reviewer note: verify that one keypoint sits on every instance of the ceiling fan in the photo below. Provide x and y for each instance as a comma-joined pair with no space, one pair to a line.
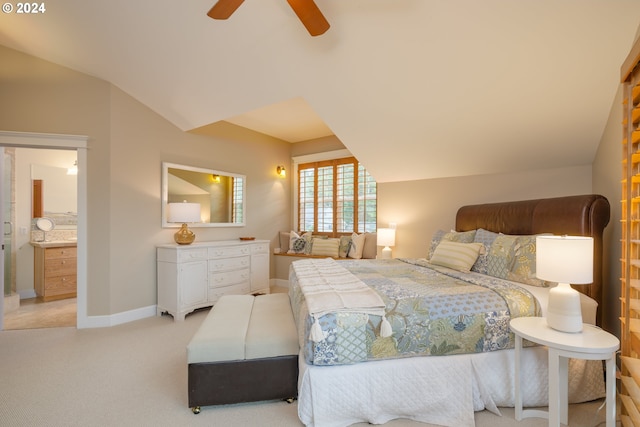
307,11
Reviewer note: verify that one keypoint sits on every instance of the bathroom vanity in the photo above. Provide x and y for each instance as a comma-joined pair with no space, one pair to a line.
55,275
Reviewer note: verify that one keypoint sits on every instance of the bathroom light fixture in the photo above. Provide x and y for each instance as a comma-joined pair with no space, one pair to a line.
184,212
73,170
386,238
281,171
564,259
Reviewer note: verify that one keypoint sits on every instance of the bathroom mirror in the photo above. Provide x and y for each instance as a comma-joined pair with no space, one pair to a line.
54,195
221,195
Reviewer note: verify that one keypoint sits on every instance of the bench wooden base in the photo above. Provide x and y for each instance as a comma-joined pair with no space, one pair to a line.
220,383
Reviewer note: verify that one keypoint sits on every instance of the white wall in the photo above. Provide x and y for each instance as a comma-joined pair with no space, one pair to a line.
419,208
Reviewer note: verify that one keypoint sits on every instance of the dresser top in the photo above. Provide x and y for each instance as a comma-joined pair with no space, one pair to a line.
54,244
212,243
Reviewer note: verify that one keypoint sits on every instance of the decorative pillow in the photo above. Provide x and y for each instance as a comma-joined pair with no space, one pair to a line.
284,242
345,243
501,255
370,250
486,238
451,236
325,247
357,246
455,255
435,241
299,244
523,269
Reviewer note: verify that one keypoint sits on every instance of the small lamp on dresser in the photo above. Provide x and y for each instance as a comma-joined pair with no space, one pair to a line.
184,213
386,238
566,260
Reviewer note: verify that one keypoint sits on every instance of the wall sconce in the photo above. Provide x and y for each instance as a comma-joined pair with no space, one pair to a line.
215,179
281,171
183,213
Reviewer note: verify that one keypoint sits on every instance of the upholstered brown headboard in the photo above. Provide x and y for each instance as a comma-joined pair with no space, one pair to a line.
585,215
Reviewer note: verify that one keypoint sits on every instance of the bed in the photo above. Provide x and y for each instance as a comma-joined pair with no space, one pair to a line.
412,353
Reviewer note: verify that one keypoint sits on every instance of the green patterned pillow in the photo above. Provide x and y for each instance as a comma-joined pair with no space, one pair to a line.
501,256
523,269
486,238
458,256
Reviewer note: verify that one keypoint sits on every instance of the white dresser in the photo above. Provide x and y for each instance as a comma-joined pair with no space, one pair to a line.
196,275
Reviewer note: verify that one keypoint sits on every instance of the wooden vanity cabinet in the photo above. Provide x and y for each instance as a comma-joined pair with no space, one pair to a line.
55,271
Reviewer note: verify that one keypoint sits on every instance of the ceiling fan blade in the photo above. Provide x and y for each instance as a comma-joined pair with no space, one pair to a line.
311,17
224,8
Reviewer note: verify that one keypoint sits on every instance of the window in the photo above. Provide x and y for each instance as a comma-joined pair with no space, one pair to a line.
336,197
237,204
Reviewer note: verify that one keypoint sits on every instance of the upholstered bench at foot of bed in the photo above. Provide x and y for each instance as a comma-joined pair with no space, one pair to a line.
246,350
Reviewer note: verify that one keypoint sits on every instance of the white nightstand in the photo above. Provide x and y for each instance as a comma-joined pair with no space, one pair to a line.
591,344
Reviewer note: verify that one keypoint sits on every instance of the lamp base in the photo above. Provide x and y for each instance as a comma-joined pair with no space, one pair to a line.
386,253
184,236
564,313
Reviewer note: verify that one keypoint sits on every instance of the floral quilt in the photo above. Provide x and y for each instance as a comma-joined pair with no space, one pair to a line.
432,311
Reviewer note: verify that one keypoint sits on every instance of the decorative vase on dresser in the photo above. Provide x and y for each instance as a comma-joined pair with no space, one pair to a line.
197,275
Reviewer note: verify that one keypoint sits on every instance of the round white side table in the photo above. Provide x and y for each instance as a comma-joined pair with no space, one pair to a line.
591,344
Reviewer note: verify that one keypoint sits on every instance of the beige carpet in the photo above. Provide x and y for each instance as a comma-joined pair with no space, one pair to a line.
135,375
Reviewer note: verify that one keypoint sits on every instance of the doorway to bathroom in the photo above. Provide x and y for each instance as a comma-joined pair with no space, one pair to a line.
40,235
71,143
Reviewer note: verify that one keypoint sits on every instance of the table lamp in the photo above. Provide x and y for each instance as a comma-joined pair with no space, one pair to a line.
386,238
566,260
183,213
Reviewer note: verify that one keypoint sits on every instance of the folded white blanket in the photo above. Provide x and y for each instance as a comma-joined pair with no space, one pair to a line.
328,287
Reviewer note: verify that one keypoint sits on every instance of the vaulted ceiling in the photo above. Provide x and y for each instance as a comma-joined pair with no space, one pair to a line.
415,89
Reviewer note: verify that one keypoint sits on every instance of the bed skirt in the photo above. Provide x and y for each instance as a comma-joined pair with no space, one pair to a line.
437,390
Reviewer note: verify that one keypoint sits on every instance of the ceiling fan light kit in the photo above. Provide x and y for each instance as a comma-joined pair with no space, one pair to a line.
307,11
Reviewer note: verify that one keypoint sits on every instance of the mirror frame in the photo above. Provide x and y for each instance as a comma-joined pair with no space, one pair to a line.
165,196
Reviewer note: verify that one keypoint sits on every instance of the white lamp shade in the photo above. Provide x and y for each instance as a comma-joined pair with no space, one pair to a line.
184,212
386,237
565,259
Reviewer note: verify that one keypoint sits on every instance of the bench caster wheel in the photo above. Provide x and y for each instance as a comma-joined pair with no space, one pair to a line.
195,410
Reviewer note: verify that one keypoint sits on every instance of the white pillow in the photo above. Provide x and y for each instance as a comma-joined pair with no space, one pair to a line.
357,246
299,244
325,247
458,256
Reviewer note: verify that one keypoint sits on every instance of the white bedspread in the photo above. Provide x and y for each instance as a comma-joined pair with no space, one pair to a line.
437,390
329,287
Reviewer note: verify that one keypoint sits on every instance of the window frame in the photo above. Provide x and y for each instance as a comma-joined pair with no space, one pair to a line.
328,156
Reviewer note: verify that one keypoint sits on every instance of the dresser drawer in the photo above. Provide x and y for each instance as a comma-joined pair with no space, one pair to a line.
224,264
60,267
187,255
237,289
57,253
229,251
260,248
229,278
60,285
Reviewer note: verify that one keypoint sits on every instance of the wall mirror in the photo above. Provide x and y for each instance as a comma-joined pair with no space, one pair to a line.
221,195
54,195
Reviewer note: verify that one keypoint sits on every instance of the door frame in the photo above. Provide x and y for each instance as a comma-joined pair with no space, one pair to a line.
63,142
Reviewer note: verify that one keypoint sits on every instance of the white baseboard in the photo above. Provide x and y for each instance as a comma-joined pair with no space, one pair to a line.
27,293
117,319
279,282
